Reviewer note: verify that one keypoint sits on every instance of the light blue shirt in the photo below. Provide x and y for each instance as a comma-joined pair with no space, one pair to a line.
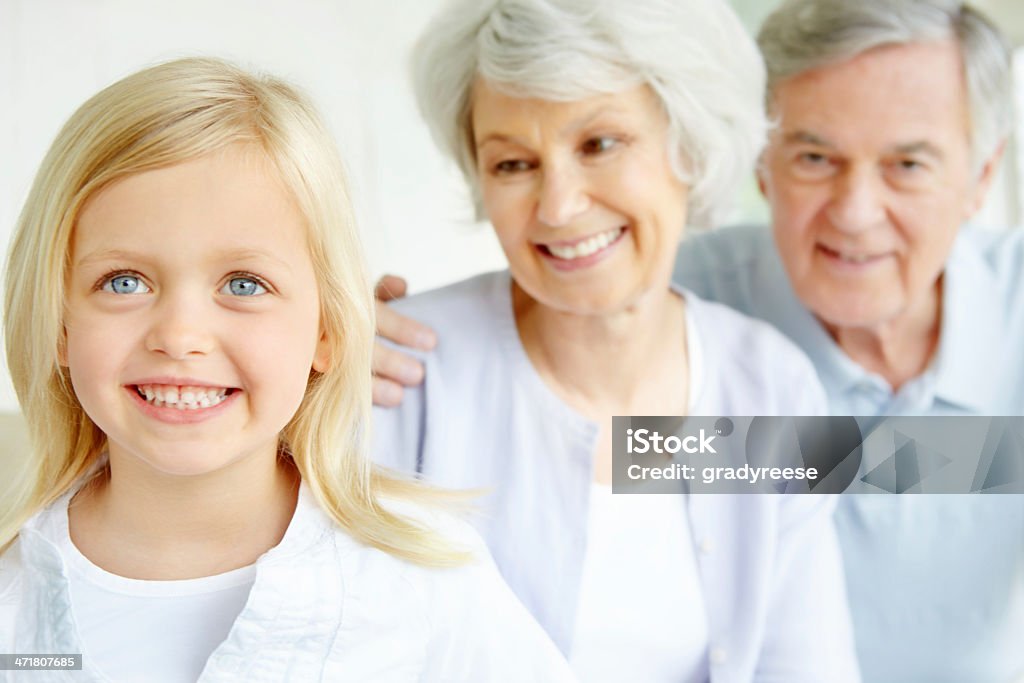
769,566
936,583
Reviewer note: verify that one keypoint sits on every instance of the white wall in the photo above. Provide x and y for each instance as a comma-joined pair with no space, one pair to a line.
350,55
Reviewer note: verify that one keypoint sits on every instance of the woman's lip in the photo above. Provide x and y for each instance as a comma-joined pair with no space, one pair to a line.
175,416
567,265
579,240
859,262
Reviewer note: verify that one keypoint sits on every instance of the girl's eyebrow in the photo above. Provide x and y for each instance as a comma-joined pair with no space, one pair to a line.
232,255
250,254
104,255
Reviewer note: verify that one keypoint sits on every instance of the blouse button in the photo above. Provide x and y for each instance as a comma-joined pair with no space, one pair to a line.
718,655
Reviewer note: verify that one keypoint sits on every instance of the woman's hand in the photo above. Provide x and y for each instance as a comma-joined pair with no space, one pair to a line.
393,369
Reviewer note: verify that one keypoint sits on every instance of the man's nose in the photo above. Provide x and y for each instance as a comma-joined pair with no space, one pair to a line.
181,327
858,201
563,195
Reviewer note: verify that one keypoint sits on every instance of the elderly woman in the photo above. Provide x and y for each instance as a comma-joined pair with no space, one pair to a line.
591,133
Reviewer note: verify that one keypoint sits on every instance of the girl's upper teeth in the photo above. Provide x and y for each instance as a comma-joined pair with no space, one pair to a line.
182,397
589,246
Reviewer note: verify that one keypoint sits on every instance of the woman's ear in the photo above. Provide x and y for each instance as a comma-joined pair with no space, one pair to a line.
322,355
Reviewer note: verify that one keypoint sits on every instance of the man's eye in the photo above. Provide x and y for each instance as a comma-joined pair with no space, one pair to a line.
243,286
599,144
511,166
125,284
812,158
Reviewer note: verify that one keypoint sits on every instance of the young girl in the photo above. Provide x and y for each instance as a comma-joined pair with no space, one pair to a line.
188,328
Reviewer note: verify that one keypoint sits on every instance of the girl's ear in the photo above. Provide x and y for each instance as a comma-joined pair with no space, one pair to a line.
62,348
322,355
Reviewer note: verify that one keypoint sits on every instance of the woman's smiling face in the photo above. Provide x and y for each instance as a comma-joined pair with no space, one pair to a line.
192,313
582,195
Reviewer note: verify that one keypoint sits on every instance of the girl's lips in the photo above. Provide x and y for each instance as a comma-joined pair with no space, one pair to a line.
171,415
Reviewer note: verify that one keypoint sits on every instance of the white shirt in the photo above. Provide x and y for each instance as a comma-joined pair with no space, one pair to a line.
174,626
641,614
484,418
323,607
640,593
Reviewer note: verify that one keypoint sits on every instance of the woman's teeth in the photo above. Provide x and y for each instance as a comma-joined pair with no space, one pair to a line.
850,258
587,247
181,397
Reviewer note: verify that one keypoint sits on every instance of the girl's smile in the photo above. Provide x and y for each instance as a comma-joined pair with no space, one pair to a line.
182,404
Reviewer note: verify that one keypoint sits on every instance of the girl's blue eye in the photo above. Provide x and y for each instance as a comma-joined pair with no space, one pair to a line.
126,284
243,286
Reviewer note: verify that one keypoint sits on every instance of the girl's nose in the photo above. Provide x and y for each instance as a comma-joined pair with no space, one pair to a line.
180,329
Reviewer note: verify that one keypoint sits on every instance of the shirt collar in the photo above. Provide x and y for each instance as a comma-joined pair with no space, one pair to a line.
971,337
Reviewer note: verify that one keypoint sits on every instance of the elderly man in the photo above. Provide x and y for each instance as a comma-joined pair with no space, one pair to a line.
891,118
890,123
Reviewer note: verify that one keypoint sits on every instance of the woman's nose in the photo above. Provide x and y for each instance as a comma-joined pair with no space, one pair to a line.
563,196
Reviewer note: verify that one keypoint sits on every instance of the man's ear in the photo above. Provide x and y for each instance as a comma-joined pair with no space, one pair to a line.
762,178
322,355
988,173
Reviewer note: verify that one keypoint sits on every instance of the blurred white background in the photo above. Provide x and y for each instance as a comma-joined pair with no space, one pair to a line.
351,56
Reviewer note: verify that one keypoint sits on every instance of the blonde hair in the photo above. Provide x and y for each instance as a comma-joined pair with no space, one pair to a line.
157,117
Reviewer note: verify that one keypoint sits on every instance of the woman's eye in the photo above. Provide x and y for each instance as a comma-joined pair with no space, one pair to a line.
511,166
243,286
599,144
125,284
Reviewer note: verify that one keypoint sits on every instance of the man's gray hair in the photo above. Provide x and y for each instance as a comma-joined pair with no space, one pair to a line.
695,56
806,34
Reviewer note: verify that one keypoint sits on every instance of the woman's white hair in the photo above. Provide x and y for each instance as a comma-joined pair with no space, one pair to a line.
806,34
694,55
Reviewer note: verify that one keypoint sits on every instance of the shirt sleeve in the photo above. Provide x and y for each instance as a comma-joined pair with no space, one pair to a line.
399,438
481,632
810,639
10,575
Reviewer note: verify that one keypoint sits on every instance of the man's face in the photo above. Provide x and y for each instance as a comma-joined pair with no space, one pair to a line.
869,175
